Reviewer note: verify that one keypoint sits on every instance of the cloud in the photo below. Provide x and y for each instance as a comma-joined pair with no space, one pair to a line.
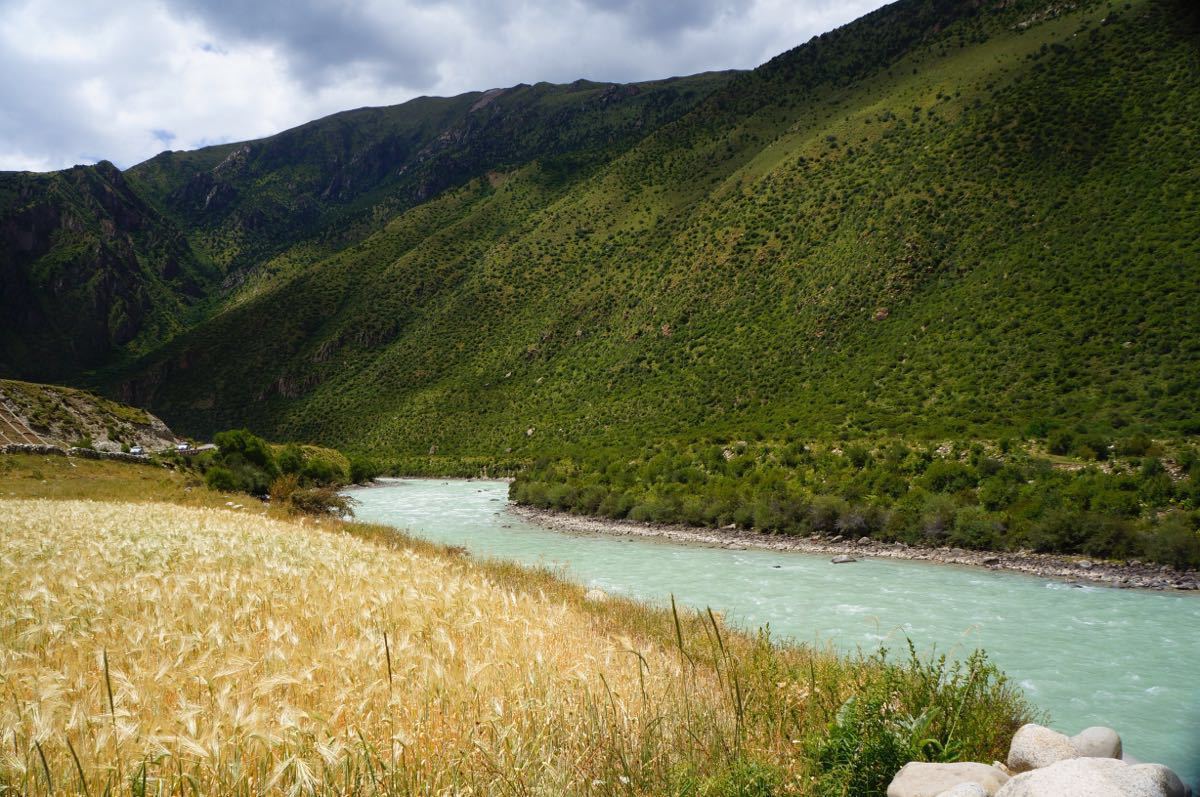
123,79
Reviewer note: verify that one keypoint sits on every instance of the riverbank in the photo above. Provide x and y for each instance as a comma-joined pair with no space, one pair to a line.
1071,569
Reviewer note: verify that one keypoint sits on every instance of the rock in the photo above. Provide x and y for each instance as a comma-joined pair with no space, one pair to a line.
919,779
864,540
1097,742
991,560
1084,565
1034,747
843,559
595,595
1095,777
965,790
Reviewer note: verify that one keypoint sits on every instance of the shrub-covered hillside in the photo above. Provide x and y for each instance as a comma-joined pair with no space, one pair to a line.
945,219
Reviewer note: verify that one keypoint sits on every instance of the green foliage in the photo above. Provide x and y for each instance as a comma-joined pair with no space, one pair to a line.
920,495
925,710
1014,256
222,479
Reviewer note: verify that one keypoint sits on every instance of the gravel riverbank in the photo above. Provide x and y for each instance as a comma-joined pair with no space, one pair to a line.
1071,569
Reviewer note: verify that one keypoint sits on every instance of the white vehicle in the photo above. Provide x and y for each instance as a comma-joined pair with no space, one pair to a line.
182,446
138,450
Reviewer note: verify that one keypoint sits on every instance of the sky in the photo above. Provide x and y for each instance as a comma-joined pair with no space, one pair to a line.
86,80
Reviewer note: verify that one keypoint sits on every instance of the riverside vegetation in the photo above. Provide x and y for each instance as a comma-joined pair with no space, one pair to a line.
153,647
1130,500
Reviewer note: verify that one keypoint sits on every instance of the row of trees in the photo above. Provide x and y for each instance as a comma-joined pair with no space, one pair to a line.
968,496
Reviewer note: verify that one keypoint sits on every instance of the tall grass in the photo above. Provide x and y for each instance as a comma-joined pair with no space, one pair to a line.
156,649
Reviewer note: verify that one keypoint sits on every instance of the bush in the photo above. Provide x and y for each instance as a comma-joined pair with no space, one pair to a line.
221,479
283,488
1060,442
363,470
948,476
825,513
920,711
246,446
974,528
321,501
290,459
1176,541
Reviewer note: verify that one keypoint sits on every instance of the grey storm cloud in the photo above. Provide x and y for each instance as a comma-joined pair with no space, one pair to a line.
322,38
122,79
661,20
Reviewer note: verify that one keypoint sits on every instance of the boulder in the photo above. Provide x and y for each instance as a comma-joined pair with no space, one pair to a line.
1095,777
595,596
1035,746
965,790
843,559
1097,742
920,779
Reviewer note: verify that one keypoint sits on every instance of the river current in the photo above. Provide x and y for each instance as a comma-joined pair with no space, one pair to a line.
1086,655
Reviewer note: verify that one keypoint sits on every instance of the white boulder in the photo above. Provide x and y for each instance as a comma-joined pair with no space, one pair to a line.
921,779
965,790
595,595
1097,742
1095,777
1035,746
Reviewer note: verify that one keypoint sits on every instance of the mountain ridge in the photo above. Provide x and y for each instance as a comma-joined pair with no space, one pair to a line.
942,219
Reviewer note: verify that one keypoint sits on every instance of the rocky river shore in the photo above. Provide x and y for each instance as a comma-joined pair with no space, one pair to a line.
1070,569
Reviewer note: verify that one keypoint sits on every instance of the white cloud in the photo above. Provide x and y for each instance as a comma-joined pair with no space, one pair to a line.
88,79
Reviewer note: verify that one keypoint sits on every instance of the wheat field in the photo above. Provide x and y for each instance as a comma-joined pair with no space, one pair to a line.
165,650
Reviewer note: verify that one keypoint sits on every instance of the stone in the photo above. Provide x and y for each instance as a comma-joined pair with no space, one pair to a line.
1034,746
864,540
1097,742
595,595
991,560
1095,777
843,559
919,779
965,790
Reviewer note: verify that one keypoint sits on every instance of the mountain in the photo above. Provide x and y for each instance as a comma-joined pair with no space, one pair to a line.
36,414
99,265
87,267
944,219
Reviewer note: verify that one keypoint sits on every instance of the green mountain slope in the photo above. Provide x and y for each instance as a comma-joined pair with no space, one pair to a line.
330,181
943,219
87,268
97,265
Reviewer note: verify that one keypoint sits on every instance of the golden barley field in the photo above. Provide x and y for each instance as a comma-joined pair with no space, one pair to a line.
159,649
203,651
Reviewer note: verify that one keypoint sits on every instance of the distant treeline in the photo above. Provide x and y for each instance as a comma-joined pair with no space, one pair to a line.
1136,501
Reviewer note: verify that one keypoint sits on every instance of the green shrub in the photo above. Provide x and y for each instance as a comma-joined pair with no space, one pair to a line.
363,470
321,501
924,710
221,479
1176,540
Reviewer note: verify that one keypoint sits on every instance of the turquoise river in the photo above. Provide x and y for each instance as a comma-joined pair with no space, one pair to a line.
1088,656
